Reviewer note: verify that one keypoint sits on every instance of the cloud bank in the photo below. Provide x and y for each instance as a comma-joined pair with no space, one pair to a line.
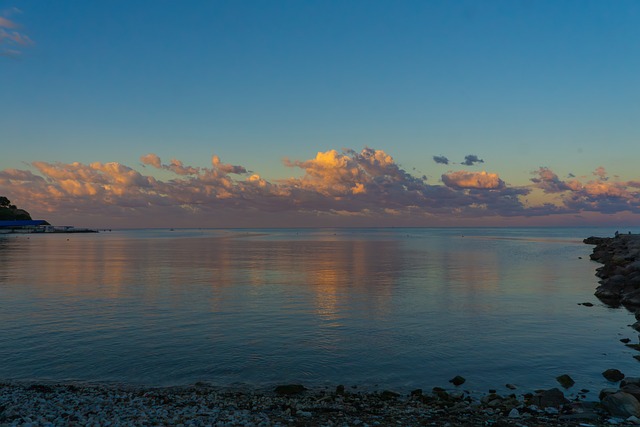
368,184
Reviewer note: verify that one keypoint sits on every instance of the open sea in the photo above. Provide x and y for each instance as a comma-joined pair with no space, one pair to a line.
392,308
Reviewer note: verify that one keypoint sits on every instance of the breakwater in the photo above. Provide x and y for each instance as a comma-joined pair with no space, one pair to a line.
620,273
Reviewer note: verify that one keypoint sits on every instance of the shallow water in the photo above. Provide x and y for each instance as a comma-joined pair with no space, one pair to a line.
375,308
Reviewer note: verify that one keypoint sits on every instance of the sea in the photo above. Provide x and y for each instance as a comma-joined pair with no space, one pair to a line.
372,308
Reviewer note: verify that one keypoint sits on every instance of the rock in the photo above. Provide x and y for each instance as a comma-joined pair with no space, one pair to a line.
340,389
630,380
613,375
549,398
621,404
510,386
514,413
632,299
457,380
565,381
625,340
632,389
607,391
389,395
633,420
417,392
289,389
586,304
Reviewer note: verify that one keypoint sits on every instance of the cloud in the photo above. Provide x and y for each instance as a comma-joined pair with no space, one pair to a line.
5,23
471,159
478,180
441,160
12,40
365,184
348,185
548,181
597,195
601,173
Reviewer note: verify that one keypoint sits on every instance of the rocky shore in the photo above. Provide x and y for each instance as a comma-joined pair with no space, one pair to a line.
291,405
620,273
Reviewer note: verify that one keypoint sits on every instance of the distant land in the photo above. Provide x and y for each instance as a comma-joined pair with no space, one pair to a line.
9,212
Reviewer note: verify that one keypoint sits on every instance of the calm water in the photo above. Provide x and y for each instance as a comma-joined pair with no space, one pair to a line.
376,308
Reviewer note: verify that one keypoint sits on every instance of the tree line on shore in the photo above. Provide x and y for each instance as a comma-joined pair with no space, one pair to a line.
9,212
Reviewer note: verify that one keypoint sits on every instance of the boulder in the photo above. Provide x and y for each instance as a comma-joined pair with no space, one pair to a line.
613,375
632,298
632,389
549,398
289,389
565,381
630,380
621,404
457,380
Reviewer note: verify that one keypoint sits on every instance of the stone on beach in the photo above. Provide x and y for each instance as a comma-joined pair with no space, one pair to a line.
289,389
621,404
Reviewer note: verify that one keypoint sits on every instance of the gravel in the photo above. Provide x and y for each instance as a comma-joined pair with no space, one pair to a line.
40,404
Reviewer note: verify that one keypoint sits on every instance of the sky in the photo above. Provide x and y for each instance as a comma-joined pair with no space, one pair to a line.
321,113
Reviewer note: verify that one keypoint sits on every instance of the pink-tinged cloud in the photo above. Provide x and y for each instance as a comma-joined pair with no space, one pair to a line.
477,180
6,23
549,181
599,195
12,40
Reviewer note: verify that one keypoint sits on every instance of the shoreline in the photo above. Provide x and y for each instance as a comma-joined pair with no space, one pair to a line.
39,404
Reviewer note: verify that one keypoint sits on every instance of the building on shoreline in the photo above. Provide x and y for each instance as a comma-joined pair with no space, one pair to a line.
24,226
37,226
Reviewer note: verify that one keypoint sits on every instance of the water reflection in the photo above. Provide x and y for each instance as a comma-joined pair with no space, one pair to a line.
406,308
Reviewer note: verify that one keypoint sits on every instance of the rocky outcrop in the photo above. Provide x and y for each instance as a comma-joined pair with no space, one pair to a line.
620,273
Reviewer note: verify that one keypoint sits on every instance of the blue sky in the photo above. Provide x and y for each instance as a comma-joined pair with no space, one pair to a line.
520,84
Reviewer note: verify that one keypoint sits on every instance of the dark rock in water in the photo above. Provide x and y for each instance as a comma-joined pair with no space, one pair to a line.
613,375
389,395
565,381
586,304
417,392
621,404
625,340
634,346
457,380
510,386
340,389
290,389
637,357
549,398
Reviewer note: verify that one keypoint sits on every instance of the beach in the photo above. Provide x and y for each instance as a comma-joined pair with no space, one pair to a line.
202,405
